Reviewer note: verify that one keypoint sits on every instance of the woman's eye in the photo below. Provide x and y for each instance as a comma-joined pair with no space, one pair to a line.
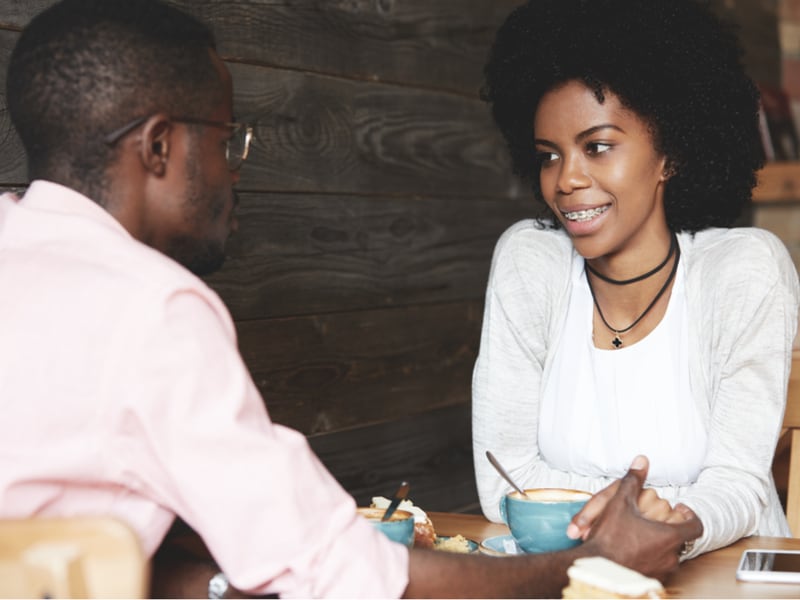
597,147
545,158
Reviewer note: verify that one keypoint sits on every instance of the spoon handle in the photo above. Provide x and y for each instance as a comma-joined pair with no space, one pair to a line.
399,495
503,472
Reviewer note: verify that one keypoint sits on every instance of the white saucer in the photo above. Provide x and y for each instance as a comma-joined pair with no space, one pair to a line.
500,545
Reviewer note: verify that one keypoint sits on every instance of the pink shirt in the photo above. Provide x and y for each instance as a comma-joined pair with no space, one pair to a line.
123,393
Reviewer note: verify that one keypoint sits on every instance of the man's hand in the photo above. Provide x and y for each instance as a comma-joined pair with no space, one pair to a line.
650,505
613,523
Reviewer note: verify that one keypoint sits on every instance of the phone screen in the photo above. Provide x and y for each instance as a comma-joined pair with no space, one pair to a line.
774,562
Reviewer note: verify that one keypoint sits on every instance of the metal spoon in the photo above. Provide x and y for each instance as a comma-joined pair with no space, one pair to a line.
399,495
504,473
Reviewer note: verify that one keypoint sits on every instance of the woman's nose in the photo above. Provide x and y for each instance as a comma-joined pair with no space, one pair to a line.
572,175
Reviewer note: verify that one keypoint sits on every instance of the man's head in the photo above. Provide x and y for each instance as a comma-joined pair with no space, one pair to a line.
84,69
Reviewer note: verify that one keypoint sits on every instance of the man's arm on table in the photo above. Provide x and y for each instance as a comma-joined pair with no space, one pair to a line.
620,533
183,567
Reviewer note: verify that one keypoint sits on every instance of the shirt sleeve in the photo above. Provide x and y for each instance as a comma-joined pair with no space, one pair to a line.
197,439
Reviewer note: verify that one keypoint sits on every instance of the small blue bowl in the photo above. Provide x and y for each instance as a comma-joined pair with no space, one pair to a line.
399,528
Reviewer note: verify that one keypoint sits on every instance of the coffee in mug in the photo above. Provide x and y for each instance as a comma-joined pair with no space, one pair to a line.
539,522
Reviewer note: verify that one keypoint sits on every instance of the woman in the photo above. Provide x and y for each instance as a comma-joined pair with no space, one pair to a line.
629,319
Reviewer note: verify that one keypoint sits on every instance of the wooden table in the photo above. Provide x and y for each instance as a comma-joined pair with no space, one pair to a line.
711,575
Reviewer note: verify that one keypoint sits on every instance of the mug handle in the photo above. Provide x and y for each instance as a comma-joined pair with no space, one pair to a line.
503,513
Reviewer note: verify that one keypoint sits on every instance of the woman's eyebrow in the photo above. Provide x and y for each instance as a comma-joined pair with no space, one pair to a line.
582,135
592,130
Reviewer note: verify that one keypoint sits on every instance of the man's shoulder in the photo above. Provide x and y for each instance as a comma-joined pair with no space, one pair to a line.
67,238
155,278
125,260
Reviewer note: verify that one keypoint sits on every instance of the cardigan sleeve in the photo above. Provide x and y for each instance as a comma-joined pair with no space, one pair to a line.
747,290
525,297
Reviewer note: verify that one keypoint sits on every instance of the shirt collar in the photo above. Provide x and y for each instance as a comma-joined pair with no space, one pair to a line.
56,198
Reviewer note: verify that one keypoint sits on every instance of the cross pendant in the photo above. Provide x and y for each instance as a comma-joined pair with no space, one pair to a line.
617,341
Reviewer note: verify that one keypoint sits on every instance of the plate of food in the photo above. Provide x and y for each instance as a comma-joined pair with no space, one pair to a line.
455,543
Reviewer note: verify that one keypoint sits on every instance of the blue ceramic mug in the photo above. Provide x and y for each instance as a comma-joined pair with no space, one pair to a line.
399,528
539,522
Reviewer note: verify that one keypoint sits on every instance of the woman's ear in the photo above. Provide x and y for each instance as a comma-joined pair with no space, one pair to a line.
668,171
154,144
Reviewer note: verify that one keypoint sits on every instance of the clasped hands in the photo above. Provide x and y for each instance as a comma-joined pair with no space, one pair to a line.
634,527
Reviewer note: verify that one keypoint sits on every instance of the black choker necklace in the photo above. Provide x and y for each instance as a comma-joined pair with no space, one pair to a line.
672,245
617,341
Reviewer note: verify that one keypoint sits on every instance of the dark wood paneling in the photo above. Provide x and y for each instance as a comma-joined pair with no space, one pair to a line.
325,134
433,452
298,254
12,157
321,134
440,44
328,372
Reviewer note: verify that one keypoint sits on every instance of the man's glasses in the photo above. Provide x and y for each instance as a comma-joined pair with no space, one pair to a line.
236,149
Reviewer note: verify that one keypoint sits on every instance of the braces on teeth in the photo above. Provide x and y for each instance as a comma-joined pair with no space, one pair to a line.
585,215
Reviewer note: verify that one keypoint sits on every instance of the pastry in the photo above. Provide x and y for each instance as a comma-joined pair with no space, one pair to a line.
597,577
457,543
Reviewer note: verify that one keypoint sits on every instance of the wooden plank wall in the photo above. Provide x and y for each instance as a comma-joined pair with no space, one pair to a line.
375,192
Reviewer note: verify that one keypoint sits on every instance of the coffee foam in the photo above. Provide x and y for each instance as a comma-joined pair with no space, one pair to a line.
552,495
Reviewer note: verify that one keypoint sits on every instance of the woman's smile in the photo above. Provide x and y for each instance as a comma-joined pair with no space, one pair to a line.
585,214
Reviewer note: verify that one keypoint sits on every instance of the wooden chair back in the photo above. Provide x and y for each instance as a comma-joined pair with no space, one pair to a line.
78,557
791,427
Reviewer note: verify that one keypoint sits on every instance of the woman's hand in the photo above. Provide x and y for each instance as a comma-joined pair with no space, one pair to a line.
652,507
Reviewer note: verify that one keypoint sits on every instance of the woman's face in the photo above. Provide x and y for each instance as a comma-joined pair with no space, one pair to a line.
601,175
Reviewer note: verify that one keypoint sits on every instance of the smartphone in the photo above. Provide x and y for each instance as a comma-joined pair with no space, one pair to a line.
778,566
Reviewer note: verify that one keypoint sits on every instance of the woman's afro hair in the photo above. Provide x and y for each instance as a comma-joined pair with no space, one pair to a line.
672,62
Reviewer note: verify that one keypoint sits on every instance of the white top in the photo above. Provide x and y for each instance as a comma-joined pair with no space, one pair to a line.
602,407
741,303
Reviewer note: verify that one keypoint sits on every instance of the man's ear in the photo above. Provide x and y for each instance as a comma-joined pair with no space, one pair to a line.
155,144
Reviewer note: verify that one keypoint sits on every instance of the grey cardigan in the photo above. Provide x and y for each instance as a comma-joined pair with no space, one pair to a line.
742,299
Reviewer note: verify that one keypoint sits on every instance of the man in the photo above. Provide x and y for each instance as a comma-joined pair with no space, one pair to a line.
122,385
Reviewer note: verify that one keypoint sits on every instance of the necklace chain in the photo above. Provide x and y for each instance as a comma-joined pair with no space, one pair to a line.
617,341
672,245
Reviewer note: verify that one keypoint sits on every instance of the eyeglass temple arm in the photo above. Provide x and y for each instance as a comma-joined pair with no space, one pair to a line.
113,137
